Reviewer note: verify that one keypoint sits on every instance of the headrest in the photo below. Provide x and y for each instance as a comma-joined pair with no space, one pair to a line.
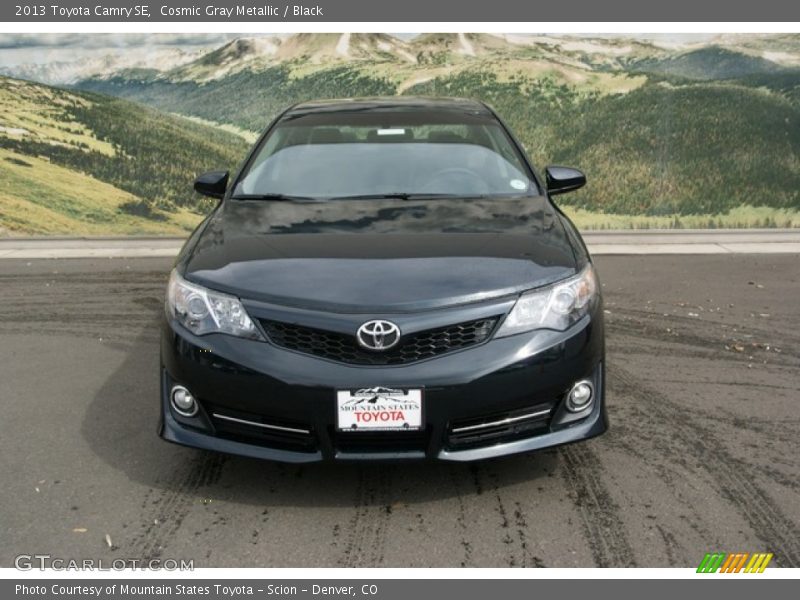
445,137
327,135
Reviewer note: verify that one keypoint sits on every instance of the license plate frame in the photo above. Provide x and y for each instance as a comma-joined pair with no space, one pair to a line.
380,409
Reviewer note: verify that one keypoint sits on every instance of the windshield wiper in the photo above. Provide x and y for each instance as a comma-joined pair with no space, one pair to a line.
395,196
277,197
385,196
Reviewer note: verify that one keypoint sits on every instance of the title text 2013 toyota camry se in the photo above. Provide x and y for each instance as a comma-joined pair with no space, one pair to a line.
384,279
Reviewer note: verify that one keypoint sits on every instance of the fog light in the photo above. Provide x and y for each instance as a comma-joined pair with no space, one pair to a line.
183,402
580,396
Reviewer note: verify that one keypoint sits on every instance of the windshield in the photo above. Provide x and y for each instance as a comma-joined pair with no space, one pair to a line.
388,155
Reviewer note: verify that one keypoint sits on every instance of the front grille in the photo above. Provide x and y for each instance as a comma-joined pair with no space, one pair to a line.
413,347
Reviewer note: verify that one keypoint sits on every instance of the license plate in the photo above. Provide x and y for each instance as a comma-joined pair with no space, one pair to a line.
379,409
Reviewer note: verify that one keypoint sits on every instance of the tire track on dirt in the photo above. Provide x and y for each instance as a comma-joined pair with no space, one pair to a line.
166,509
603,528
696,337
628,418
365,545
493,488
521,522
79,305
513,522
670,545
461,516
734,478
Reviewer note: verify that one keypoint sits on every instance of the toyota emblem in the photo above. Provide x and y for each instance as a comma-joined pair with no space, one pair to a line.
378,335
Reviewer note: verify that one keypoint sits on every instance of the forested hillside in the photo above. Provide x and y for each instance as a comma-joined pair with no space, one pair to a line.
659,149
246,99
148,158
707,64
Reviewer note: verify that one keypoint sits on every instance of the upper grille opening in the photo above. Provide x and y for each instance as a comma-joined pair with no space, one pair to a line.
413,347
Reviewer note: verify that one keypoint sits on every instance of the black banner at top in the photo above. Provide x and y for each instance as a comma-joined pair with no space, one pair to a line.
275,11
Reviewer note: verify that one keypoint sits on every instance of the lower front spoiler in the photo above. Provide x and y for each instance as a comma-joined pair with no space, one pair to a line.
593,425
171,431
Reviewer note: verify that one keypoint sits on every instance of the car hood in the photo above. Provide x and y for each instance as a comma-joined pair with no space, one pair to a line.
379,256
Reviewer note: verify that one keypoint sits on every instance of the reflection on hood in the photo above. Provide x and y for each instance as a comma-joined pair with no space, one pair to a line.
492,215
387,254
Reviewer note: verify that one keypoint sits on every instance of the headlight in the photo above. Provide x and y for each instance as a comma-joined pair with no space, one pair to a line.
204,311
555,307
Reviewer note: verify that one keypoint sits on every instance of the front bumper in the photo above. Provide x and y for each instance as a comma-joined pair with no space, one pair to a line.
503,397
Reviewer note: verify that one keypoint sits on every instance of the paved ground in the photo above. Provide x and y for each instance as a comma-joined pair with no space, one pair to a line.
672,241
704,451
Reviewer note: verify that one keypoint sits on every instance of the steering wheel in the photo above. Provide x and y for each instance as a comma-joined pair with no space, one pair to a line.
440,179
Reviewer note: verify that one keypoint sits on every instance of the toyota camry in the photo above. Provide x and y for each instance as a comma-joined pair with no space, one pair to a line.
384,279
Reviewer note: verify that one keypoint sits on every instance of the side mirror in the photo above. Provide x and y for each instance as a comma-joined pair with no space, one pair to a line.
212,184
563,179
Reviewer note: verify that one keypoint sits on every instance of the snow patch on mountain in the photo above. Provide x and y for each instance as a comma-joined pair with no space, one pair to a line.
343,46
466,46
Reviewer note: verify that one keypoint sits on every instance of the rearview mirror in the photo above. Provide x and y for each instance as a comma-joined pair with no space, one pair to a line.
212,184
563,179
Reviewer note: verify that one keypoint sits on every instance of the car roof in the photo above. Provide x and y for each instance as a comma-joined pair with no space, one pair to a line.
464,106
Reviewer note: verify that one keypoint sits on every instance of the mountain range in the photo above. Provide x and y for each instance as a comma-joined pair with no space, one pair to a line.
102,64
762,52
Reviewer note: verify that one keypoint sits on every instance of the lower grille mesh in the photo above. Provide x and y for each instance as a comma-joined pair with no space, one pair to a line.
256,429
499,427
413,347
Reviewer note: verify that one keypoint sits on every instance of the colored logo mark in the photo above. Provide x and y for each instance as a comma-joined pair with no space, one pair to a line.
737,562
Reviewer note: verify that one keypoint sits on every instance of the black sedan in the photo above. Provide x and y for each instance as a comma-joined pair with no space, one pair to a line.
384,279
